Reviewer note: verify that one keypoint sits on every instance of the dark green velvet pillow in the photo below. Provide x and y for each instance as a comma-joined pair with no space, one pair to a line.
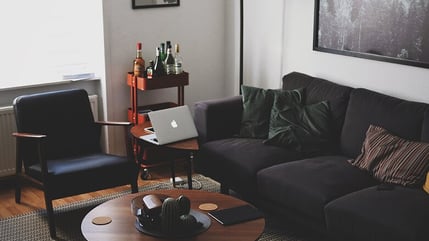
302,128
257,104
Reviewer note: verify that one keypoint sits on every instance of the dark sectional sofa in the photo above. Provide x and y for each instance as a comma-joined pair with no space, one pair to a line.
322,192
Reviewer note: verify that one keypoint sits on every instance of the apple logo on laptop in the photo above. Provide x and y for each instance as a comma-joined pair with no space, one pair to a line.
174,124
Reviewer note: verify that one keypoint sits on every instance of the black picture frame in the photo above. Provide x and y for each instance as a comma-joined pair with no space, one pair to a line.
138,4
373,29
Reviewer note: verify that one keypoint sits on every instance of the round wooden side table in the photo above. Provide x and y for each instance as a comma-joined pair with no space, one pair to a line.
190,145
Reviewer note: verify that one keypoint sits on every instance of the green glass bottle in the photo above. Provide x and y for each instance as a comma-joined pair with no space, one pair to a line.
163,52
158,69
169,62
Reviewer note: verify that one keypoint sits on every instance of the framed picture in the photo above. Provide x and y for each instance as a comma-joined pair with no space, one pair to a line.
395,31
154,3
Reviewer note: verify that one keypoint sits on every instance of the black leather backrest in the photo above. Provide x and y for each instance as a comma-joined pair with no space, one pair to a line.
401,117
316,90
64,116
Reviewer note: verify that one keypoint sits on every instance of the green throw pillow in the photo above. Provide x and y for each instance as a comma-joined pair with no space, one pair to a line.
257,104
302,128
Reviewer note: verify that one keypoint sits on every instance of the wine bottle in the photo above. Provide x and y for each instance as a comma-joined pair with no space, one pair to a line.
169,62
149,69
139,64
163,52
178,60
158,69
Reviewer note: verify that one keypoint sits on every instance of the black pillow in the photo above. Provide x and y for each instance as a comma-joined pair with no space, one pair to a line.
257,104
303,128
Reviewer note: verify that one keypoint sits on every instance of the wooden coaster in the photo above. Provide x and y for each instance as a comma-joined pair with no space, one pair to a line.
208,206
101,220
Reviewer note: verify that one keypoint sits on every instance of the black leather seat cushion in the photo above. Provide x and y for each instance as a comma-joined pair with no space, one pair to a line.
235,161
308,185
400,214
69,174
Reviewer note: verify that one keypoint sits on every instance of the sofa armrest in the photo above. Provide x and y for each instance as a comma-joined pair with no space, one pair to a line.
218,118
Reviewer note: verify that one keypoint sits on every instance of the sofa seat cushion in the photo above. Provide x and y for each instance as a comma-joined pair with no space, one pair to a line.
308,185
380,215
235,161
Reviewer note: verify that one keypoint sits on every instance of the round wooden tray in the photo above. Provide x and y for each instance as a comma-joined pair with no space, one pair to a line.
201,218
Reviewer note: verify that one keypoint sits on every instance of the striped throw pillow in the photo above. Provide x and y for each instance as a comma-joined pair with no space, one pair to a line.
391,159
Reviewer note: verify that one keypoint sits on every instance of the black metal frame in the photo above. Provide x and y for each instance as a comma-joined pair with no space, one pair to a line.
371,56
241,42
135,6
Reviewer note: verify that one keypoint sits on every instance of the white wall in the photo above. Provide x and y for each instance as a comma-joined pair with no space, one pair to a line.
287,26
197,25
263,38
403,81
232,48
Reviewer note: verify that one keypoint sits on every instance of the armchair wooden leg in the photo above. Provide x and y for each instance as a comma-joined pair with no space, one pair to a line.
190,162
134,187
51,219
17,189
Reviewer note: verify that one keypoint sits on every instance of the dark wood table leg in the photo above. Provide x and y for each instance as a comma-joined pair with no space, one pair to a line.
190,161
173,172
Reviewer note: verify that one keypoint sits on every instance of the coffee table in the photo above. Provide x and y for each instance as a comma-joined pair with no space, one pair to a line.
122,225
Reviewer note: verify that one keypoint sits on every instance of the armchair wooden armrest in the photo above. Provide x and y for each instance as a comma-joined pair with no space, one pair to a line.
128,141
114,123
28,135
38,138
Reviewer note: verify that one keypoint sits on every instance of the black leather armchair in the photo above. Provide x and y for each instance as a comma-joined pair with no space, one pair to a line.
58,144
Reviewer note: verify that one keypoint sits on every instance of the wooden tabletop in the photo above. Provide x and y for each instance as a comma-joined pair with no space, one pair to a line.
122,225
190,144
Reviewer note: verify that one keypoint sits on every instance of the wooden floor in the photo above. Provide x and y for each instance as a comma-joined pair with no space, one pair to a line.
32,198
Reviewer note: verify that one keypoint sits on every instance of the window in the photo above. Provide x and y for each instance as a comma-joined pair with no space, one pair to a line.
44,40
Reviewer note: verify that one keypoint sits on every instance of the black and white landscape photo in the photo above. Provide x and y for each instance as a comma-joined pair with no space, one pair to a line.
390,29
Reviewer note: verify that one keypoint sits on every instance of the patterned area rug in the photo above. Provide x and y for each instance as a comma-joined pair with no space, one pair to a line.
33,226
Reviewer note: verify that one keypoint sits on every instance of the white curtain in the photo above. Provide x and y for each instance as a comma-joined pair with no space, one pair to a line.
43,40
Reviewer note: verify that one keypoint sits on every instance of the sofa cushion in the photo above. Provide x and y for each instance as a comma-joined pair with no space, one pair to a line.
380,215
303,128
402,118
316,90
425,129
392,159
235,161
257,105
308,185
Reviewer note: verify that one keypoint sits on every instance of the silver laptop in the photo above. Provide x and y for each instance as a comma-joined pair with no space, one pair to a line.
171,125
